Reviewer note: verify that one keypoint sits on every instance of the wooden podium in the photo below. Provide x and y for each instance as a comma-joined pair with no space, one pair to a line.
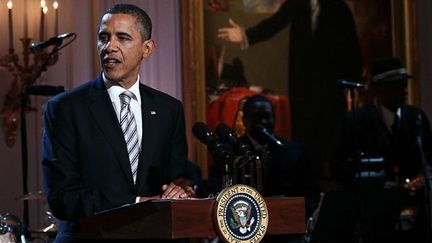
192,218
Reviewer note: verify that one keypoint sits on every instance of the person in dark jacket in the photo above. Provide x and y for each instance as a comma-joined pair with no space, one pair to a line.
113,141
285,168
385,150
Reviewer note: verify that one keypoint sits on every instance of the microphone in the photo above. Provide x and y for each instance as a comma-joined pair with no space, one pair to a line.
206,136
350,85
223,131
262,133
44,90
419,121
56,40
203,133
419,127
240,147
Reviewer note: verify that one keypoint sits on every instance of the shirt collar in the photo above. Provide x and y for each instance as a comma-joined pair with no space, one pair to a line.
114,90
388,116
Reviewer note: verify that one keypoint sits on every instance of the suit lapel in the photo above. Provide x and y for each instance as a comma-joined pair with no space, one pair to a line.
149,115
104,115
150,122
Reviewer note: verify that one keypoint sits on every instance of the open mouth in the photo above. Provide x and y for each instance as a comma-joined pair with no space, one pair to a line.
109,62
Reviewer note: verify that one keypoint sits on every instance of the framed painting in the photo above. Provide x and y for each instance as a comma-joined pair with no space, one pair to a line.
385,28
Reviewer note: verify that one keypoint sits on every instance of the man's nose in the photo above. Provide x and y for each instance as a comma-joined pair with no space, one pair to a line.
265,121
111,45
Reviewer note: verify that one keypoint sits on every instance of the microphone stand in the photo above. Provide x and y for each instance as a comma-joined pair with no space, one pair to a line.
226,160
428,185
24,153
356,159
248,171
24,96
227,178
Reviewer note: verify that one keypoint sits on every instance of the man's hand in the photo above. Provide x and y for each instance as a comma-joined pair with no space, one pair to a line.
179,188
235,33
143,199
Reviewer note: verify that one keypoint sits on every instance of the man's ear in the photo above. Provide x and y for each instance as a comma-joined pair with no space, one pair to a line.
148,47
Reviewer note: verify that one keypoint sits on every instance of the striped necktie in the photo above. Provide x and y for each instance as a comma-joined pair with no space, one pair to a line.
130,132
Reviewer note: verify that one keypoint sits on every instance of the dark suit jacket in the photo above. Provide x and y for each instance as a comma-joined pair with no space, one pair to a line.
369,203
85,161
367,207
364,131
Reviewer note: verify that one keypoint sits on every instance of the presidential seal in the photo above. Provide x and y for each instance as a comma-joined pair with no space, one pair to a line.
241,214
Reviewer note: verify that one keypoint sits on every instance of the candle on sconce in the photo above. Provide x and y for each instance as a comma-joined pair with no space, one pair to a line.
44,9
9,6
55,6
25,20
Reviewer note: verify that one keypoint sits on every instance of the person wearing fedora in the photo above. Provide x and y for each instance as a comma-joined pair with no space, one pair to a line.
384,149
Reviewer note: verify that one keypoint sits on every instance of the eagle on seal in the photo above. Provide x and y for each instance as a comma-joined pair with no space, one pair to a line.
241,211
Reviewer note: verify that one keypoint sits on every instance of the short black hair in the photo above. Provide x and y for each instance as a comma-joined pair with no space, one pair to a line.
143,20
251,101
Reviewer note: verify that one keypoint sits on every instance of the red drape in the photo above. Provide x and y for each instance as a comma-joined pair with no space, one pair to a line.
227,108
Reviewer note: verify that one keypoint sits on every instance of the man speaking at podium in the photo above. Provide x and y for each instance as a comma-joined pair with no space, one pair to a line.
113,141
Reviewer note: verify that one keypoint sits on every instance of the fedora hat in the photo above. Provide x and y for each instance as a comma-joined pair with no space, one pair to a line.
388,70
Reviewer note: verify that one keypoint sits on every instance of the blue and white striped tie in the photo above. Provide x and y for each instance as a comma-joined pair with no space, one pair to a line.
130,132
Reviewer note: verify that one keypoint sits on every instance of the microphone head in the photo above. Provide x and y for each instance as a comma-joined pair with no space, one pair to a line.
65,35
201,131
263,135
349,84
240,147
35,47
340,83
206,136
56,40
224,132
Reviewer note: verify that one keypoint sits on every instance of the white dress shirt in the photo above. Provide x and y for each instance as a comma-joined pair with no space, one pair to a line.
114,91
388,116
